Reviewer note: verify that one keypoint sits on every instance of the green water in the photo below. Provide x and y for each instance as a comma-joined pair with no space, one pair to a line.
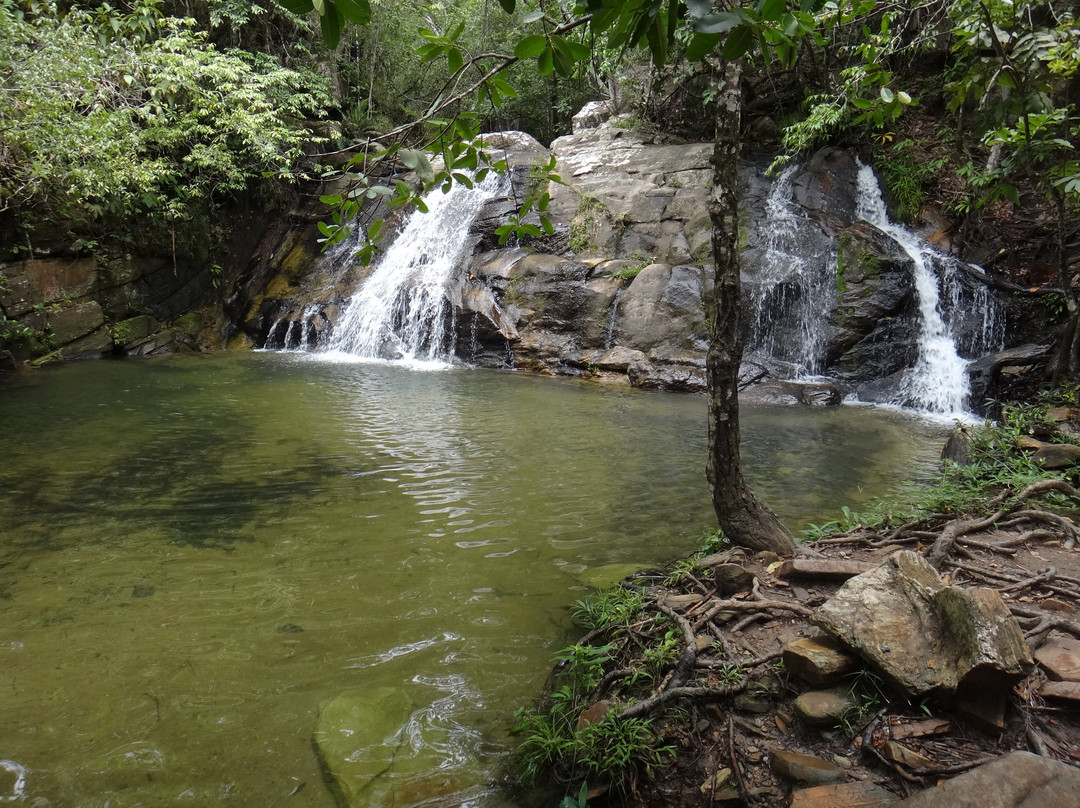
196,553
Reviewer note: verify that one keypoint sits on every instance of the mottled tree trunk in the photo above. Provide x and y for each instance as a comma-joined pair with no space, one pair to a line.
745,520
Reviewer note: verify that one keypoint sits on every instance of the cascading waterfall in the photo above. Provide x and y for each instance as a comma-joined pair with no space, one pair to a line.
795,289
938,382
404,310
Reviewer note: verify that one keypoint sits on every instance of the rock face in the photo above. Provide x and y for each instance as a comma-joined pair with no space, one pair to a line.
75,308
924,636
620,289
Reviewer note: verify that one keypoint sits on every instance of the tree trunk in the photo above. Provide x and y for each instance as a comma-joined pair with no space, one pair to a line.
745,520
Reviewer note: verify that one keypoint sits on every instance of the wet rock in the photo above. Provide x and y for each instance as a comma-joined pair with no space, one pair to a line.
357,739
985,372
957,448
128,332
922,635
819,660
1013,780
824,708
811,394
801,769
844,795
1057,455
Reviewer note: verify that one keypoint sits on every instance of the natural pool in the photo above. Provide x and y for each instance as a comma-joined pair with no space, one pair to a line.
198,552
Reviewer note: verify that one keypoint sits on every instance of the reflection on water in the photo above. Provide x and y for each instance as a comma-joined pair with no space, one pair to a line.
207,563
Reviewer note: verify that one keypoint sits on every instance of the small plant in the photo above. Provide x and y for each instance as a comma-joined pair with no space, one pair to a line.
868,693
714,541
615,606
14,331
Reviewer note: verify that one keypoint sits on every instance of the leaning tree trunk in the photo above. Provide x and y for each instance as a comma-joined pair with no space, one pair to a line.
745,520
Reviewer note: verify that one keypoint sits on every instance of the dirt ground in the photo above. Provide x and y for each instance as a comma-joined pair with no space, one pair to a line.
726,741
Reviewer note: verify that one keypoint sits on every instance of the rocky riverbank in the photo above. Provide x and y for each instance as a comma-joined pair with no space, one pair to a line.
903,662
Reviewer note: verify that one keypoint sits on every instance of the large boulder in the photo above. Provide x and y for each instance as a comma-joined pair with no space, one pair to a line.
923,636
1015,780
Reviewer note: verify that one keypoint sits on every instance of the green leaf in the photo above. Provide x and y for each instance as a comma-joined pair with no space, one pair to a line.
546,62
887,95
332,23
718,22
503,87
530,46
454,60
739,42
773,10
331,200
578,51
356,11
507,6
1010,193
701,46
375,229
532,16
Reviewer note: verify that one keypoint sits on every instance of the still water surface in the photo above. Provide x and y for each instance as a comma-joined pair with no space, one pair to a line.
196,553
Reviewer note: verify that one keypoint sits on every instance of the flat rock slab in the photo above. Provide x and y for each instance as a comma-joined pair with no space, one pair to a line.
1067,691
844,795
819,660
796,767
822,568
1060,658
1015,780
921,635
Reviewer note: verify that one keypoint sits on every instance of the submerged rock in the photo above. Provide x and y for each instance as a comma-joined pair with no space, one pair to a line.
357,737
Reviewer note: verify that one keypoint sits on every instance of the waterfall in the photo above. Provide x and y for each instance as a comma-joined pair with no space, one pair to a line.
405,308
938,382
795,290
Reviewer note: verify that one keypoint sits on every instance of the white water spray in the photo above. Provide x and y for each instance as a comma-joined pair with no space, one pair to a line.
795,290
938,382
404,310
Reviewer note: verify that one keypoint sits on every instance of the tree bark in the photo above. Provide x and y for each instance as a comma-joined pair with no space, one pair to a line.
743,519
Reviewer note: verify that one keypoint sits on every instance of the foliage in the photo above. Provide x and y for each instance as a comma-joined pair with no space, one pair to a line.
108,114
1014,61
999,465
616,605
613,748
908,174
